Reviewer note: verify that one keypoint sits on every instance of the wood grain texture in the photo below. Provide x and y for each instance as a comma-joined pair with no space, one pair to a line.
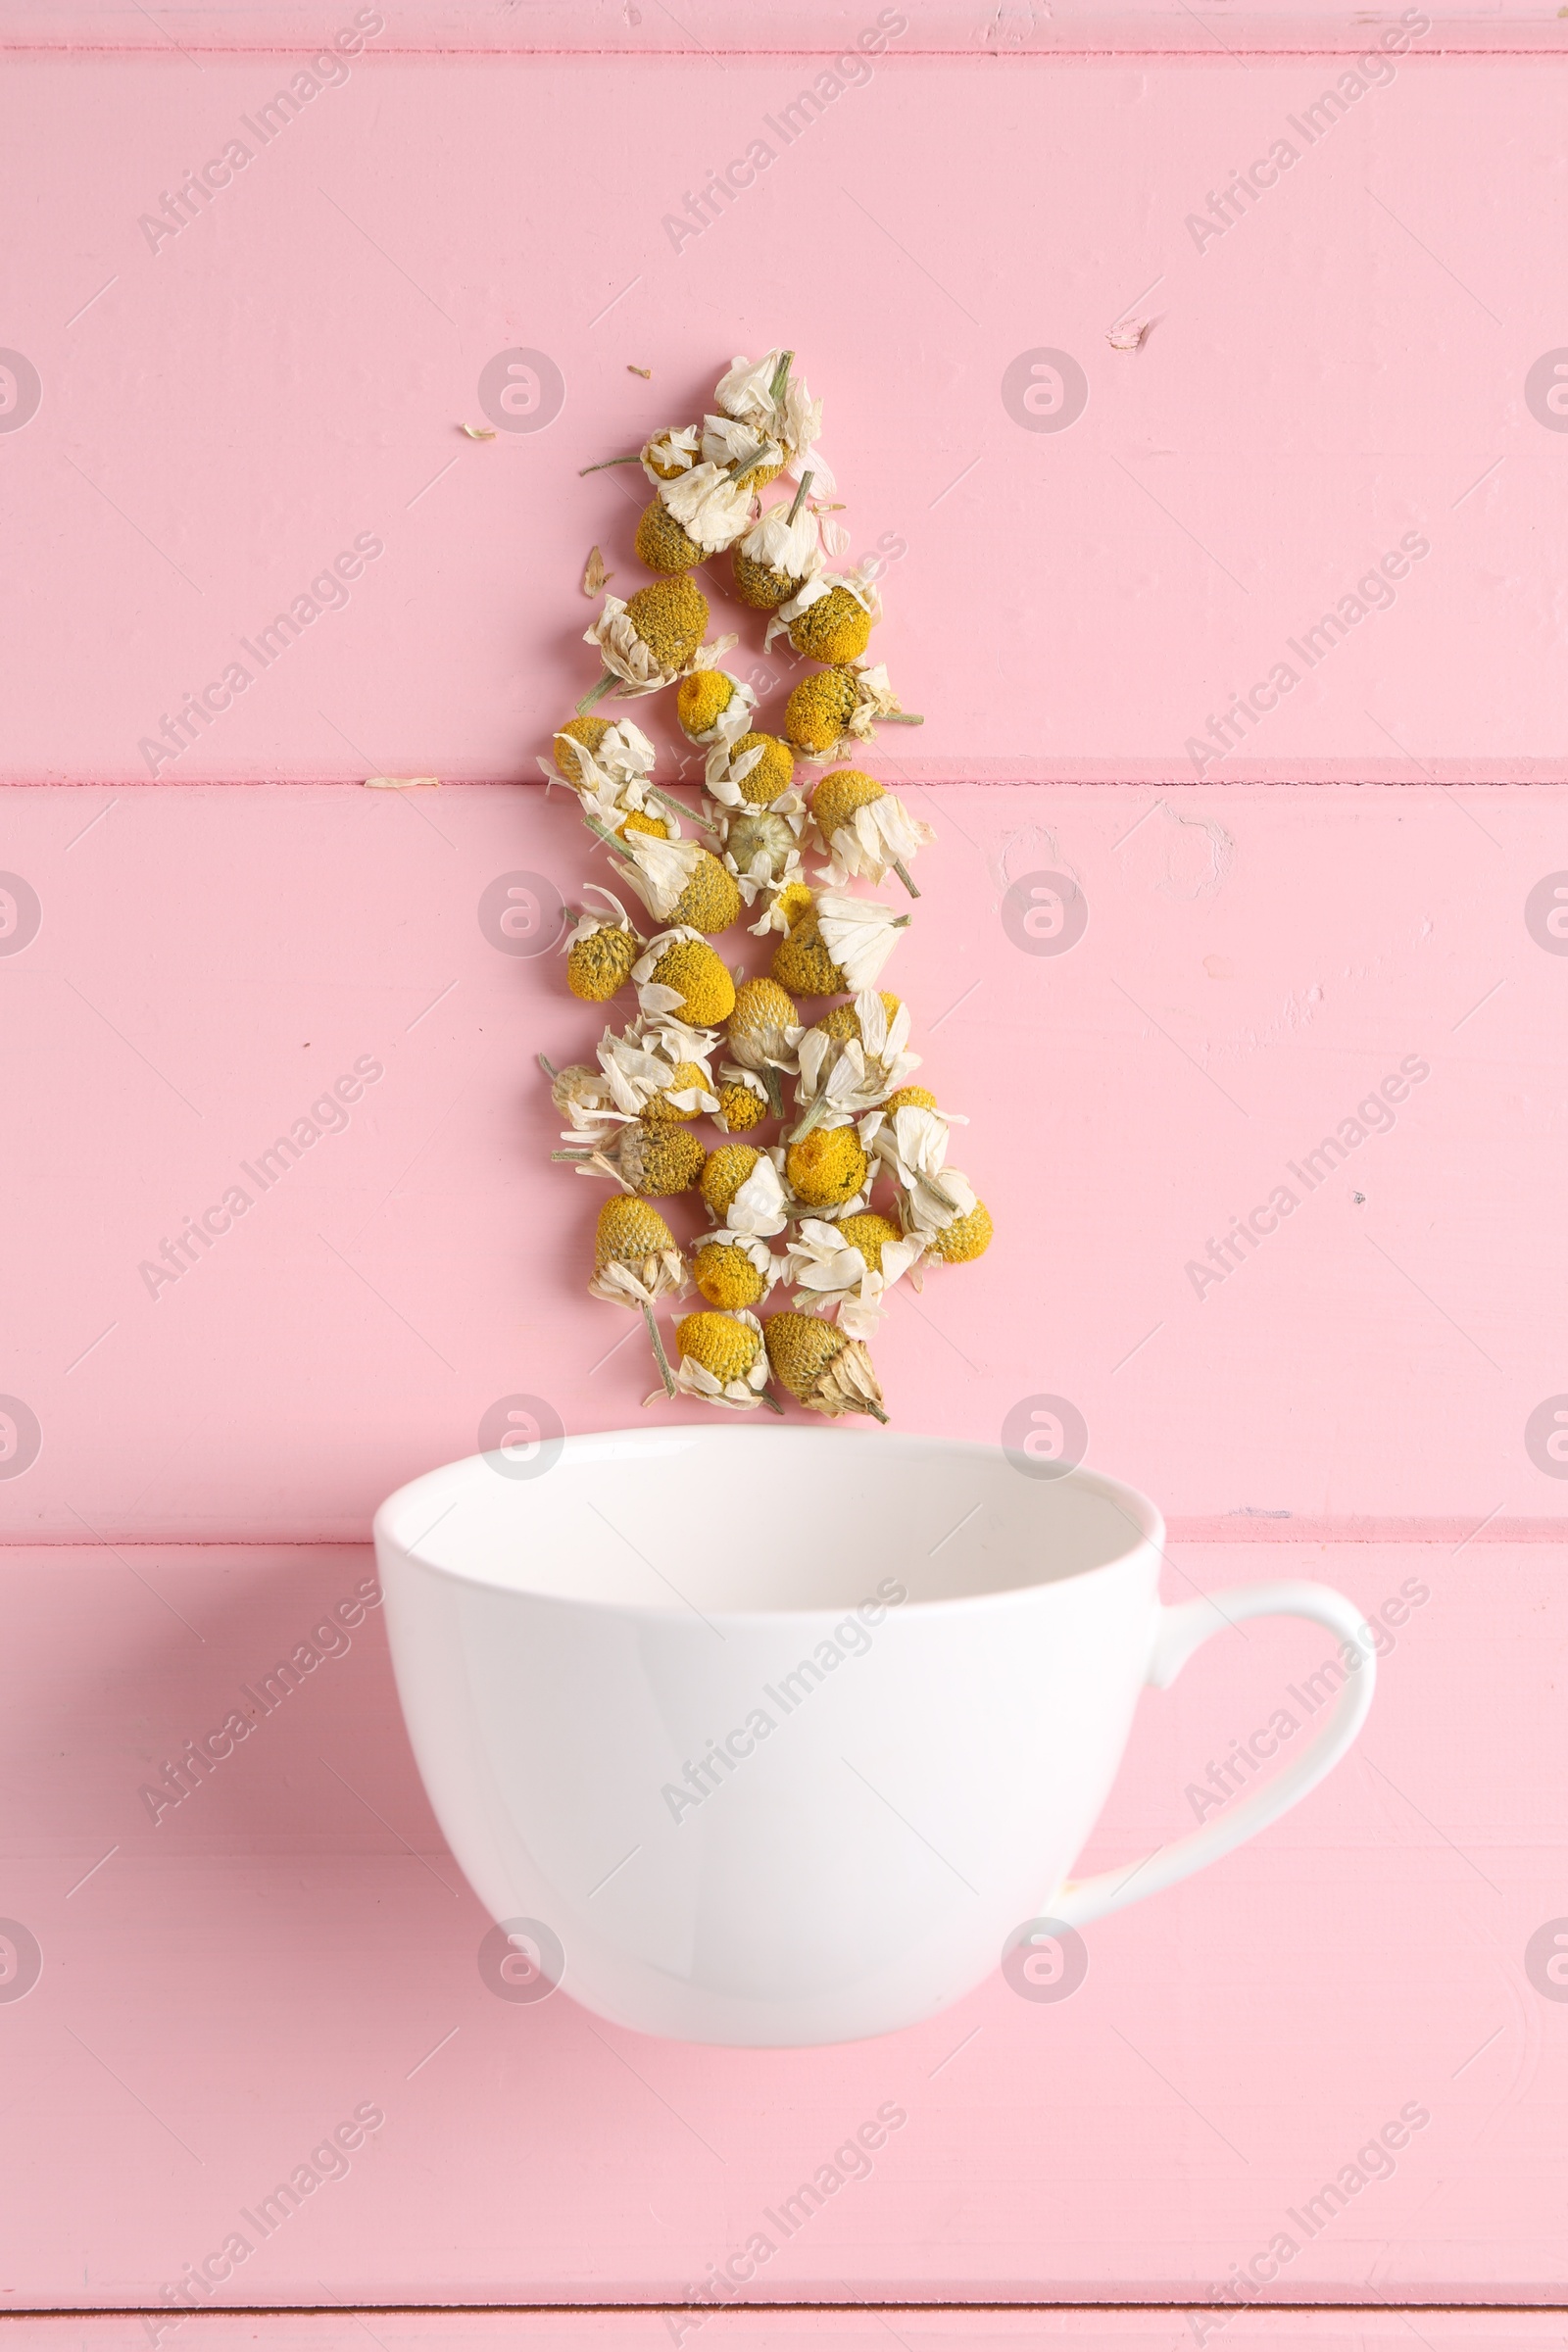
226,408
1372,2328
1256,964
221,1988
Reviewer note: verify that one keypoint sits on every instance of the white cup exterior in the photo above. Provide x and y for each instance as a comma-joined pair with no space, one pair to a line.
593,1742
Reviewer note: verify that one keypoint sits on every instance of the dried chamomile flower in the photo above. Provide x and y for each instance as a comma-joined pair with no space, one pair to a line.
778,555
750,770
722,1361
734,1270
709,506
860,935
821,1366
586,1101
964,1238
743,1102
591,751
904,1097
843,1077
742,455
669,454
650,640
827,1167
623,809
602,950
834,710
913,1146
801,962
847,1268
742,1187
680,883
885,1250
654,1158
866,829
657,1069
712,707
762,848
765,1032
662,543
636,1260
789,906
681,973
688,1096
776,403
844,1021
829,617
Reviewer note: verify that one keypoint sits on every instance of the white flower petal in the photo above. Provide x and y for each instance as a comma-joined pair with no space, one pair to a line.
710,508
860,935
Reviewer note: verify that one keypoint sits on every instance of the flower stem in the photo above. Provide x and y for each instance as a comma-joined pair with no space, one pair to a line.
815,1114
806,479
781,375
660,1357
772,1402
548,1066
901,719
903,873
681,808
595,692
877,1410
634,459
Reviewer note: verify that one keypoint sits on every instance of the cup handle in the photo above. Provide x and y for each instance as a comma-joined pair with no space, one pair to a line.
1178,1633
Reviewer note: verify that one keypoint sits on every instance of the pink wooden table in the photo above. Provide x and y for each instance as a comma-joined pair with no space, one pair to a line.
1291,901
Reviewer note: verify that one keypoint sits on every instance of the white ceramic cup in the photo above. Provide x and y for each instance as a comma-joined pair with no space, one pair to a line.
774,1736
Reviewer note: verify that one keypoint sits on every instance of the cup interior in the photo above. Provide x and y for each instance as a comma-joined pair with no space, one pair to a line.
747,1521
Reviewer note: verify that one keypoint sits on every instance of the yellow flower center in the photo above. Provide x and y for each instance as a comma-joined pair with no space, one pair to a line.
837,627
671,617
826,1166
726,1276
700,699
720,1345
707,992
838,796
725,1172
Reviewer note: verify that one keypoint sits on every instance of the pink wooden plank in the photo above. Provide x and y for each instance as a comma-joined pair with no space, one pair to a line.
223,1988
1022,33
1343,367
1256,964
1371,2329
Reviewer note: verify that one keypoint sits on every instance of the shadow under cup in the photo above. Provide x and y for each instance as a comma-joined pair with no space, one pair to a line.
765,1737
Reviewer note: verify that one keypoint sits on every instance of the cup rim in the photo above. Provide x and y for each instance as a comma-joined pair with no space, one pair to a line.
1146,1522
